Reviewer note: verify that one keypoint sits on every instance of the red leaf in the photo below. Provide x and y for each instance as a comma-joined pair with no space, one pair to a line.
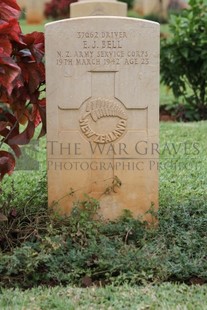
7,163
42,111
3,93
12,125
36,118
8,129
33,74
12,29
6,46
16,149
11,70
3,125
25,136
3,26
8,9
10,118
35,43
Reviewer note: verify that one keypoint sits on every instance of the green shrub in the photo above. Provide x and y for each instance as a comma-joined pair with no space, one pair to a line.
184,58
18,220
82,251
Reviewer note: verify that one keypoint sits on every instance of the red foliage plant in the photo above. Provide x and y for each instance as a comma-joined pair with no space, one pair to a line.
22,80
58,8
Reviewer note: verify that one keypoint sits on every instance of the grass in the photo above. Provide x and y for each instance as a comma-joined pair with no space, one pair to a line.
27,28
165,297
183,176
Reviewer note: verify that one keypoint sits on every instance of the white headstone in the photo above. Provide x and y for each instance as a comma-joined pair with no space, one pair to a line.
102,78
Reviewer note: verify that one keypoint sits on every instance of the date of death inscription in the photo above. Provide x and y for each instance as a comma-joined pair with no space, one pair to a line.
102,48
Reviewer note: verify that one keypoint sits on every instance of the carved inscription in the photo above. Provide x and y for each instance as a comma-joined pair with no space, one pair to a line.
102,49
101,108
102,35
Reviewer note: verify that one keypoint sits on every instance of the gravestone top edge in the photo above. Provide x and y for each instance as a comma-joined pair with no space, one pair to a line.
94,18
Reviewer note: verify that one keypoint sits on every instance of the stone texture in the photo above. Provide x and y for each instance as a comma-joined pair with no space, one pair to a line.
103,113
98,7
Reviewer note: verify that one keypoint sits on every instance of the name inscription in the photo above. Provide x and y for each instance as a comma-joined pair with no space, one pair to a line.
102,49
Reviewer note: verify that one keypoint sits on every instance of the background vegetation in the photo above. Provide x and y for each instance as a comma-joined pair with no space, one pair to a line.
184,61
